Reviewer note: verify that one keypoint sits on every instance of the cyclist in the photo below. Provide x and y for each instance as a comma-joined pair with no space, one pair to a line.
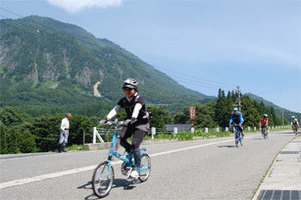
295,124
264,122
138,116
236,117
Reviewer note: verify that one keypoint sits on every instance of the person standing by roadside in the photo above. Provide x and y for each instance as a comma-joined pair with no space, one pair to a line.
64,133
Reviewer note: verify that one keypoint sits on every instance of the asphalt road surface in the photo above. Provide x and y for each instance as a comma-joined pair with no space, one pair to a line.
199,169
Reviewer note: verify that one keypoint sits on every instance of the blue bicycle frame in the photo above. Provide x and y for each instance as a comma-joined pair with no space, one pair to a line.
126,157
237,132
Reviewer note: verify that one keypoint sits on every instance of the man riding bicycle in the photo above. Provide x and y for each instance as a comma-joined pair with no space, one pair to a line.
138,116
236,117
295,124
264,122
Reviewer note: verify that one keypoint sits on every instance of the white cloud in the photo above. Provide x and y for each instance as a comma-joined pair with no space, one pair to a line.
74,6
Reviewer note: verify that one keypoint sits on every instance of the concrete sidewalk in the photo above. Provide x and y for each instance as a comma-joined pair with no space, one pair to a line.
283,180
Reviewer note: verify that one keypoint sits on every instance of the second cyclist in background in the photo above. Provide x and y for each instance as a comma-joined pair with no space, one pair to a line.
295,124
236,117
264,125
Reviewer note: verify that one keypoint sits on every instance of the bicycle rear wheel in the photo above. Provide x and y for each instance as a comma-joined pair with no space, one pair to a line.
145,168
102,179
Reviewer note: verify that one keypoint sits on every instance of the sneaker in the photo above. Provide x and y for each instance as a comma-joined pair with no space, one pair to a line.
135,174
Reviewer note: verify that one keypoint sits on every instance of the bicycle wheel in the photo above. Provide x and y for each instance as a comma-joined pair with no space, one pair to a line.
102,179
125,168
236,139
145,168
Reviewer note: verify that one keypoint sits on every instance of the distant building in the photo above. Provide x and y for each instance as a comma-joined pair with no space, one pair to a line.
181,127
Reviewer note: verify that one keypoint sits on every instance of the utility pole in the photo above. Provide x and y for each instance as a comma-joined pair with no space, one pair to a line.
238,98
282,117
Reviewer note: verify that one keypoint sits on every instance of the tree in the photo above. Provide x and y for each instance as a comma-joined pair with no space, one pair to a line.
205,115
25,140
181,118
250,114
46,130
78,125
12,116
160,117
223,108
3,139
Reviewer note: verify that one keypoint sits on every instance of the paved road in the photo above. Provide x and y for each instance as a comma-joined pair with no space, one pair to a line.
201,169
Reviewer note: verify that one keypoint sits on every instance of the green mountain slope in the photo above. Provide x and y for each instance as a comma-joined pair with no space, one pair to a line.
47,62
278,110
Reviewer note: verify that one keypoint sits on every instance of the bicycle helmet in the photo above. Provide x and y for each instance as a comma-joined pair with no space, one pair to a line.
293,117
130,83
265,115
235,109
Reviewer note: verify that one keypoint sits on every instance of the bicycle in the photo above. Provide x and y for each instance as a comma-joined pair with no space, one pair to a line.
295,128
265,131
103,175
238,138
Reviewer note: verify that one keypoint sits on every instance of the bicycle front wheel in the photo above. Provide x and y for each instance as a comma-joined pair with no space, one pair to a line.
145,168
102,179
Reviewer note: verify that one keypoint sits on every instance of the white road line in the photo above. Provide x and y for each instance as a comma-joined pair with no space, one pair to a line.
83,169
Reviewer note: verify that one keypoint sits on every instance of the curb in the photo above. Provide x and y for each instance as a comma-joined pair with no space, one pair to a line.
257,193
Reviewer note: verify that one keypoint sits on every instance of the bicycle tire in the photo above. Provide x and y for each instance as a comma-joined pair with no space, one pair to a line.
96,182
144,175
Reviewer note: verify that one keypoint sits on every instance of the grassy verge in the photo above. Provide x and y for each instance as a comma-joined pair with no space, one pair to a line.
183,135
76,147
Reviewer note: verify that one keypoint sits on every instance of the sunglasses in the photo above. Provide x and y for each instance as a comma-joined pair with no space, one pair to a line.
127,89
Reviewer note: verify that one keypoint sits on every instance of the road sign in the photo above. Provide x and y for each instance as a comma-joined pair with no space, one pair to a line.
192,112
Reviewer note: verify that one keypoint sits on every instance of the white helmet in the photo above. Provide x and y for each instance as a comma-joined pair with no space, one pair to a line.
293,117
130,83
265,115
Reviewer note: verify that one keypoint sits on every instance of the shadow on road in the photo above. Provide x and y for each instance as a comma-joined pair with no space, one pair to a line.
86,186
91,197
258,138
227,146
126,184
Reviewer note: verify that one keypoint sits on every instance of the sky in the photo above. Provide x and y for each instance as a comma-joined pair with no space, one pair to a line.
202,44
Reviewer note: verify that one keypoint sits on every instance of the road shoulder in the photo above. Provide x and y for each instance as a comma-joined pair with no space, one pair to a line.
283,180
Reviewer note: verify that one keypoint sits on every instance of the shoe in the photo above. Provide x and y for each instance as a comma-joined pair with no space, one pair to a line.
135,174
64,148
60,149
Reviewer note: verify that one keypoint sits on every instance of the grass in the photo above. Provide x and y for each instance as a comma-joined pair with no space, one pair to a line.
76,147
184,135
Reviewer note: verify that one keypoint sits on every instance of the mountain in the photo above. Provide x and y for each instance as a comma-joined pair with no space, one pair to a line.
278,110
47,63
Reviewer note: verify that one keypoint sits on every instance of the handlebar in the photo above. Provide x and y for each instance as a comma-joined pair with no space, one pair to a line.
115,122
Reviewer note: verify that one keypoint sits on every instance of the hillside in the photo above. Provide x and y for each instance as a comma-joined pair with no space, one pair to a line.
44,62
278,110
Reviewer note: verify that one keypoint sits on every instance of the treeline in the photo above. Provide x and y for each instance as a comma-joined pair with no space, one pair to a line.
20,133
218,113
23,133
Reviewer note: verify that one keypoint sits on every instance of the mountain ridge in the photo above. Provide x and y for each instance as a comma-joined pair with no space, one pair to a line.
278,110
45,61
47,55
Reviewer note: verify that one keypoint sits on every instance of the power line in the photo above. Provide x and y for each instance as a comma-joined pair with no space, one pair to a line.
198,78
184,78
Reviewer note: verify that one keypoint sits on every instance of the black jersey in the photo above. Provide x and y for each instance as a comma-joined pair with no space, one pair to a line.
129,106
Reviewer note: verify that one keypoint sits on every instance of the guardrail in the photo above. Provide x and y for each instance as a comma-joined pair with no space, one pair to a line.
104,135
